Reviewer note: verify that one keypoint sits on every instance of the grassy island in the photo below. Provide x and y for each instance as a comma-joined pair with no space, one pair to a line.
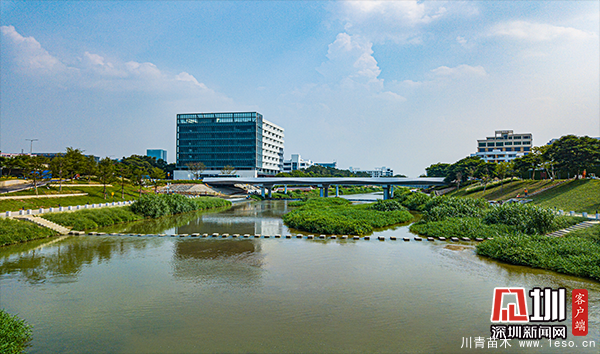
338,216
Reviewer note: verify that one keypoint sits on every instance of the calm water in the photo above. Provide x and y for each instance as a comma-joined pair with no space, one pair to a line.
94,294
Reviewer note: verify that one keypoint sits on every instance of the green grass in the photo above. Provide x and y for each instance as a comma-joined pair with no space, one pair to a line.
577,253
506,191
577,195
93,218
15,334
14,231
338,216
95,195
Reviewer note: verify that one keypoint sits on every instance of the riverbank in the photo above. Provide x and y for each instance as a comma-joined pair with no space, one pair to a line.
518,233
15,334
338,216
149,206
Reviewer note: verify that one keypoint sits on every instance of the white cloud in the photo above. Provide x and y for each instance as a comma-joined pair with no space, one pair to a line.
459,72
538,32
29,54
350,62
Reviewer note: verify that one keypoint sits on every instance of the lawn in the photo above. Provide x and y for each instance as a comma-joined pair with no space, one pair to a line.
95,195
577,195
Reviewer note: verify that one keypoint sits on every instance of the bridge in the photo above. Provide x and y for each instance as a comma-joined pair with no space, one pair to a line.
323,183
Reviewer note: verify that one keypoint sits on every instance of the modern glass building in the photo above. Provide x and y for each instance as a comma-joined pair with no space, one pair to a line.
244,140
157,153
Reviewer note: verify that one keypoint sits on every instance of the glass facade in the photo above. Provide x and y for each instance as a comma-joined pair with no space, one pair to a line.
220,139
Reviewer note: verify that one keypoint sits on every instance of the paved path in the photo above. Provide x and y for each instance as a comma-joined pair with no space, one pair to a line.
42,196
45,223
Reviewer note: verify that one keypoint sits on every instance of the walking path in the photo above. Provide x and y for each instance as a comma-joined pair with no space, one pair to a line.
43,196
9,214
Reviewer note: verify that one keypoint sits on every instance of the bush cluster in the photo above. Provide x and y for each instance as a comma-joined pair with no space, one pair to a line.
93,218
439,208
387,205
339,216
412,200
15,231
526,218
577,253
157,205
15,334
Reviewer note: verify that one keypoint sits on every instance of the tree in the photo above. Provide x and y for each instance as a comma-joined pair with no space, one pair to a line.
228,170
123,172
74,161
501,170
196,169
466,166
526,163
15,163
58,168
89,167
138,174
34,170
156,174
437,170
574,154
106,171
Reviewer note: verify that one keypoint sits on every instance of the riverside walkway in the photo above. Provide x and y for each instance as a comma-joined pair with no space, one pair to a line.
323,183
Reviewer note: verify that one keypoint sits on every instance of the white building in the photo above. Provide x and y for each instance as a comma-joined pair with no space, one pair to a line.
377,172
296,163
504,146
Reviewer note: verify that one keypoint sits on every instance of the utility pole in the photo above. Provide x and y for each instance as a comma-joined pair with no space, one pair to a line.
31,146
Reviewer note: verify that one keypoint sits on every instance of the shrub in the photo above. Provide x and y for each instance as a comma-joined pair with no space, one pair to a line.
577,253
387,205
157,205
93,218
460,227
526,218
339,216
15,231
15,334
413,200
440,208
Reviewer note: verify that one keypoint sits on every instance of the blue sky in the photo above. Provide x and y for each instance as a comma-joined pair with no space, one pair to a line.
402,84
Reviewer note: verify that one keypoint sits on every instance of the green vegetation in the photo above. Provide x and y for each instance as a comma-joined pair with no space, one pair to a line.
93,218
95,195
577,253
577,195
505,191
339,216
157,205
320,171
15,231
15,334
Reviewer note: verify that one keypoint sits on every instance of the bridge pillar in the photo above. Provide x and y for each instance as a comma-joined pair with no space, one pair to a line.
262,191
285,189
270,188
325,190
386,192
337,190
391,191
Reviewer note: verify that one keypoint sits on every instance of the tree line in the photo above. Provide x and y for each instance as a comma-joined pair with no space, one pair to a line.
568,156
73,164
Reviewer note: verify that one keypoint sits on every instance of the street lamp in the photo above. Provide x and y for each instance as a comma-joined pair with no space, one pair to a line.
31,145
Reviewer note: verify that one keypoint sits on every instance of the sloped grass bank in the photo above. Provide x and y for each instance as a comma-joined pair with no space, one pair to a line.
15,334
91,219
577,253
148,206
338,216
15,231
577,195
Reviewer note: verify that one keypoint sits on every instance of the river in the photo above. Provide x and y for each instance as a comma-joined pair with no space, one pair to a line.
127,294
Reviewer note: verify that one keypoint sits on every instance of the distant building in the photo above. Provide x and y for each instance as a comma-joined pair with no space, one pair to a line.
504,146
246,141
327,164
296,163
157,153
376,172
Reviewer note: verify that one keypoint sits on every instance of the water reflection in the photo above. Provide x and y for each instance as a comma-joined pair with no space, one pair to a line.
211,262
62,259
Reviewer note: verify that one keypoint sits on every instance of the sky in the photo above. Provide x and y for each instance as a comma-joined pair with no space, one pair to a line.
401,84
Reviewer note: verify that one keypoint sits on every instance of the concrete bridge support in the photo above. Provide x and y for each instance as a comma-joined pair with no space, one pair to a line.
388,192
337,190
